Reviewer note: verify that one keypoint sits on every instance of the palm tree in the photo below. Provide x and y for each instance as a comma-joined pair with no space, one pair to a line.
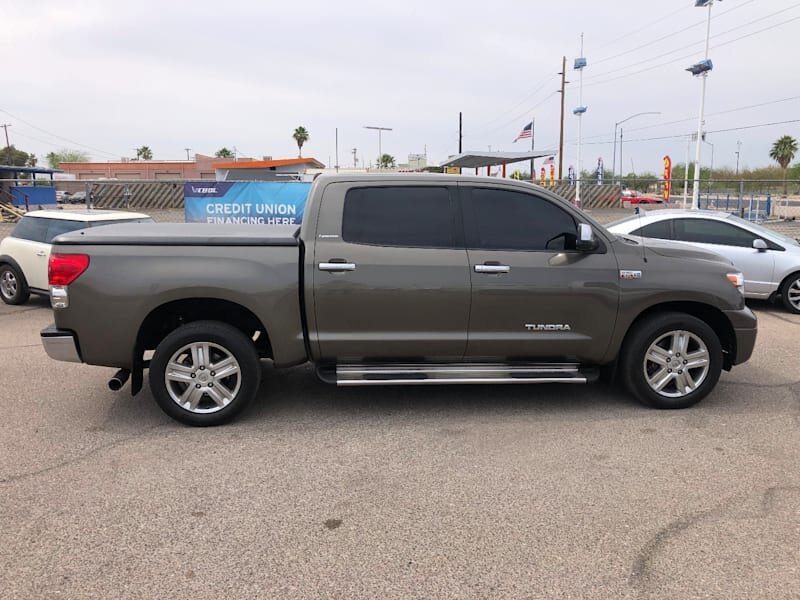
783,151
144,153
223,153
300,136
386,161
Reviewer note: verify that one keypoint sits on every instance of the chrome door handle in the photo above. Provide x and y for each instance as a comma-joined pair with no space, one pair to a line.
492,268
337,266
41,253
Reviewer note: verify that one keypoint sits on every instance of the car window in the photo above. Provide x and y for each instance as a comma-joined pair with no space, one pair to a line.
59,226
508,220
400,216
659,229
31,228
707,231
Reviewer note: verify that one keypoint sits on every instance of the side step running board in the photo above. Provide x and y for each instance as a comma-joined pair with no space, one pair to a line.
455,373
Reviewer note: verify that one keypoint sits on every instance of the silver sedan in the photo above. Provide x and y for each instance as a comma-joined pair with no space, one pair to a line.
769,261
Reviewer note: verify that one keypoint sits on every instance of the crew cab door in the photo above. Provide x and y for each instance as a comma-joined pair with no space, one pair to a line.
390,274
533,295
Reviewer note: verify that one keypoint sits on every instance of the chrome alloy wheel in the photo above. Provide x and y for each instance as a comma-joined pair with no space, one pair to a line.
676,364
202,377
793,294
8,284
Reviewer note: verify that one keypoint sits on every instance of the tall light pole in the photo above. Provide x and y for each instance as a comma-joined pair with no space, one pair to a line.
579,65
711,169
617,124
187,153
379,130
702,70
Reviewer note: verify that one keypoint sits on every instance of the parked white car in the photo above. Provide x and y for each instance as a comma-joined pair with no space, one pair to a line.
769,261
25,253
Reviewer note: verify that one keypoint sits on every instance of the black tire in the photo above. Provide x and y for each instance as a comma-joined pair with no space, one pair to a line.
13,287
223,342
790,293
661,329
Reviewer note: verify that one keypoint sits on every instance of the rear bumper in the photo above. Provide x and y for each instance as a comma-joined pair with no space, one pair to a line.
60,344
745,328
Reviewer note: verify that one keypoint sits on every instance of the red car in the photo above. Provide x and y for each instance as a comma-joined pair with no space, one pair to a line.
634,197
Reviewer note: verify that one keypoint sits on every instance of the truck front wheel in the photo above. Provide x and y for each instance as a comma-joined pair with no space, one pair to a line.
204,373
671,360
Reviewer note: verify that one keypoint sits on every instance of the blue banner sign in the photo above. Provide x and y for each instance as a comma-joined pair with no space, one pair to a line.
245,202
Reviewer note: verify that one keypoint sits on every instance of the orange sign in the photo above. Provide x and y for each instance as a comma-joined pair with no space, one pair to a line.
667,177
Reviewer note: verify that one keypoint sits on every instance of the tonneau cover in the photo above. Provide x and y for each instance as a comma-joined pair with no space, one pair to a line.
182,234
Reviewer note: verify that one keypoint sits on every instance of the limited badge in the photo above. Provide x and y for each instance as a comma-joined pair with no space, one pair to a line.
625,274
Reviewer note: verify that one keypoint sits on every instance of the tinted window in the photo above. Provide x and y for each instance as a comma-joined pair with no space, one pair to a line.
706,231
31,228
658,230
506,220
59,226
399,216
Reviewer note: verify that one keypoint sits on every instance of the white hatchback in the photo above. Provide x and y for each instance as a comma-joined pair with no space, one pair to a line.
25,253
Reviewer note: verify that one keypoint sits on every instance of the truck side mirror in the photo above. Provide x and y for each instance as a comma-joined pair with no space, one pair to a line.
760,245
586,241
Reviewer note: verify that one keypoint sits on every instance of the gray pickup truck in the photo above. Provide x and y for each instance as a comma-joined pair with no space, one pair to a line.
396,279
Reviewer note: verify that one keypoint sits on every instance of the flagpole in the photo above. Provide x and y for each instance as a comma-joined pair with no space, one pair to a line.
533,173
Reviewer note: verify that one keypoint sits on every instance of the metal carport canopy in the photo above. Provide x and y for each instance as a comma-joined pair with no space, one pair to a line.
475,160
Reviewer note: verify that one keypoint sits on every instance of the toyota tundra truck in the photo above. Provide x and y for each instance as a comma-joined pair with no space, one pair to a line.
396,280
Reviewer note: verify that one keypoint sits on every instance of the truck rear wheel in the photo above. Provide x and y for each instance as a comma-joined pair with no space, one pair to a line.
204,373
671,360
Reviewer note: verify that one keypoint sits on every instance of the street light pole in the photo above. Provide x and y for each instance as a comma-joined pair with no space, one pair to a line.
701,69
738,150
617,124
379,130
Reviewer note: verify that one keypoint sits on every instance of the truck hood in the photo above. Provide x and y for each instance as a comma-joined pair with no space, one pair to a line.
680,250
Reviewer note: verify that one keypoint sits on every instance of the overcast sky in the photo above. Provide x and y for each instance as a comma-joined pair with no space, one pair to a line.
176,74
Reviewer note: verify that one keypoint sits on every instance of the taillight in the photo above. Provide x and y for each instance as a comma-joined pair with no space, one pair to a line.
63,269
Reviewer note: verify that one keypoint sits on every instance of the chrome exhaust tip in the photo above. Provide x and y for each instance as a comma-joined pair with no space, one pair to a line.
118,380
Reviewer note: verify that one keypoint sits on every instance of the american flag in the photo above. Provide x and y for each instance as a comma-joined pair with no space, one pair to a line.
550,160
526,132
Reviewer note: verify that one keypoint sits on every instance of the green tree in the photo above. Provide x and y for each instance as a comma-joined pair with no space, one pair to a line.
300,136
223,153
12,156
54,159
144,153
782,152
32,160
386,161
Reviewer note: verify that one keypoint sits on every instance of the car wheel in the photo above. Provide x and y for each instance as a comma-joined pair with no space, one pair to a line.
671,360
204,373
13,288
790,293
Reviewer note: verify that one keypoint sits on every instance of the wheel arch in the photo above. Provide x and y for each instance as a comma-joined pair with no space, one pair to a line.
707,313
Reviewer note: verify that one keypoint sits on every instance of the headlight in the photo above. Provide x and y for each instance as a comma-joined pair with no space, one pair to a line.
737,281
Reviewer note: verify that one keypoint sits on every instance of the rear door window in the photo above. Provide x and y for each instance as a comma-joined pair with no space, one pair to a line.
707,231
33,229
407,216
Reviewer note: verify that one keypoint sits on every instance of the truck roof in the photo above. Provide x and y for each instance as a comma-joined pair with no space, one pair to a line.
423,178
89,215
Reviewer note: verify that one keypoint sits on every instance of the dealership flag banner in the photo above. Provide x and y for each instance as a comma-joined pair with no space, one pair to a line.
667,177
245,202
600,170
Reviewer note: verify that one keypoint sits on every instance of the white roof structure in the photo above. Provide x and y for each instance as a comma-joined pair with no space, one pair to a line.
476,160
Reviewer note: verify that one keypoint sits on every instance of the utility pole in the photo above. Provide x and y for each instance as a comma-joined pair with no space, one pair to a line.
354,152
8,146
738,150
460,131
561,135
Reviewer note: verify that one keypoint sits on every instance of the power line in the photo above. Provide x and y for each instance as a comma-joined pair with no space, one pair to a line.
683,135
527,112
539,87
663,54
714,114
649,43
29,124
616,38
669,62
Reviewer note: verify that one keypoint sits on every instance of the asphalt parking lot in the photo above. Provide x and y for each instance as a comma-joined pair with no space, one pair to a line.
489,492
